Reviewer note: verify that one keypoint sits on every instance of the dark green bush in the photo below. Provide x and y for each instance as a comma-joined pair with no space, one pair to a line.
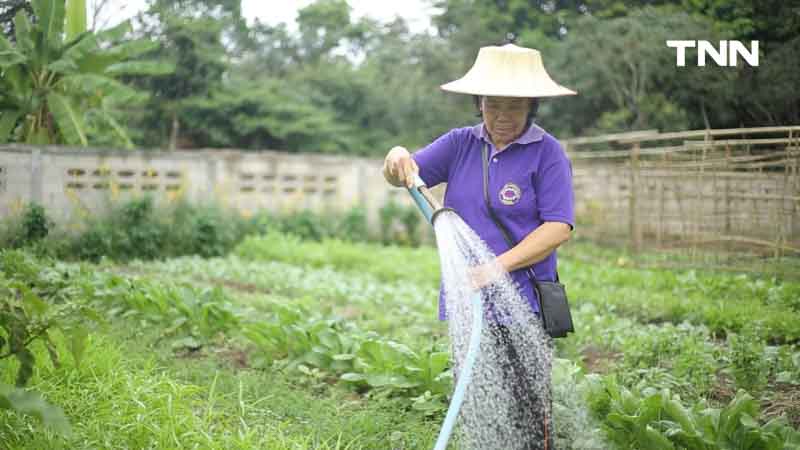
132,230
749,364
28,229
308,225
139,229
35,223
400,224
353,225
204,230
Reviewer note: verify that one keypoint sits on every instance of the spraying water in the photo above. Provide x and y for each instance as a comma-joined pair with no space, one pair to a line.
505,402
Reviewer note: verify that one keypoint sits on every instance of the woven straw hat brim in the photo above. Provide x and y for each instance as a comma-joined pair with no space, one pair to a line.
507,71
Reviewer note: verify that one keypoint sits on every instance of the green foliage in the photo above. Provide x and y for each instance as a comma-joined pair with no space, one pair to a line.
132,230
192,316
658,420
341,84
75,21
788,365
355,294
37,302
140,229
386,263
8,11
205,230
315,312
612,52
46,302
353,225
59,86
295,92
574,426
296,339
263,114
749,363
613,99
680,358
135,392
28,229
722,302
32,404
191,40
307,225
400,224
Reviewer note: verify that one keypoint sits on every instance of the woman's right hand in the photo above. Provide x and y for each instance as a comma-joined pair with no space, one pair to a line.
399,168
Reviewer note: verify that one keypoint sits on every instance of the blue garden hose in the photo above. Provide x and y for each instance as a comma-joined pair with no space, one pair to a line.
426,203
430,208
466,373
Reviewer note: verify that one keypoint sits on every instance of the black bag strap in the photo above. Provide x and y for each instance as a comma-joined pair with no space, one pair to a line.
503,230
496,221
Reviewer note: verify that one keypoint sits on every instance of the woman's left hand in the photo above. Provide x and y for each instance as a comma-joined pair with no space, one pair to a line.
485,274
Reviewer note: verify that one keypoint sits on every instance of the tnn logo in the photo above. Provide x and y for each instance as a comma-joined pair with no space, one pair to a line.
725,57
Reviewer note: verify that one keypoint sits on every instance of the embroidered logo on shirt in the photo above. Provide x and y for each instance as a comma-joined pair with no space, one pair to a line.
510,194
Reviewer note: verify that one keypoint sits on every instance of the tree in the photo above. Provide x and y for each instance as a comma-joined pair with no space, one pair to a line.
191,37
613,52
266,113
58,85
471,24
626,77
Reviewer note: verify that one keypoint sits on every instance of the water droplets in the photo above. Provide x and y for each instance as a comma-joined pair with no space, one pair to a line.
507,405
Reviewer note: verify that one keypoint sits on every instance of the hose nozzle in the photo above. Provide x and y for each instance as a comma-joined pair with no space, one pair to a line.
425,200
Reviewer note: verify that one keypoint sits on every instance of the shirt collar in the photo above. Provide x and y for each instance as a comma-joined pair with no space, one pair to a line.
534,133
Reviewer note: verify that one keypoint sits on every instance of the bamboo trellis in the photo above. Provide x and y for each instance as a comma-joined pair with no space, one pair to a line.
724,192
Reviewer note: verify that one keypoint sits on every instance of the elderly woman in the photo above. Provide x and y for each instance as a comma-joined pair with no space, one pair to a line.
528,185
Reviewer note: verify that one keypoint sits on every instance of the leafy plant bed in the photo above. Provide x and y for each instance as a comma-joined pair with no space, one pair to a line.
365,335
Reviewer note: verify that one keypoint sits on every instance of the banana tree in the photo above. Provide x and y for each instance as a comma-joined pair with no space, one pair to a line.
57,80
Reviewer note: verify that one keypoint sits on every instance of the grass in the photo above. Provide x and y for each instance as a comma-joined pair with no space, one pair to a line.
131,392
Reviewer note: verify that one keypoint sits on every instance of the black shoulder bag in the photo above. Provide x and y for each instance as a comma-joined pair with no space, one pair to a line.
553,303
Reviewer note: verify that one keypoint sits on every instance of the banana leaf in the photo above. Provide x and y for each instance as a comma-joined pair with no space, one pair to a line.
68,119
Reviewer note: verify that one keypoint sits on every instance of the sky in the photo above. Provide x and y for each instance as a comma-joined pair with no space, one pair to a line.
417,13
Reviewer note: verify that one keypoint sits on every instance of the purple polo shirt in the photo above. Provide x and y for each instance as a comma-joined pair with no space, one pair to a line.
530,182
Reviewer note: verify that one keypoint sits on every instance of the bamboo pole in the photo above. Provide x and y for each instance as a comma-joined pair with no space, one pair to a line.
687,146
780,223
796,189
695,221
661,206
635,228
705,132
728,211
741,161
738,239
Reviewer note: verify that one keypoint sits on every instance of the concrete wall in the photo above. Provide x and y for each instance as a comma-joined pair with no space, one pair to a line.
72,182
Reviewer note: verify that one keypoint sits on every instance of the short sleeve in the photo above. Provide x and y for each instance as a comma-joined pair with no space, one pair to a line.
435,159
554,191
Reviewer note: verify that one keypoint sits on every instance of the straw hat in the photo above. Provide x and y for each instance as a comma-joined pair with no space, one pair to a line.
507,71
